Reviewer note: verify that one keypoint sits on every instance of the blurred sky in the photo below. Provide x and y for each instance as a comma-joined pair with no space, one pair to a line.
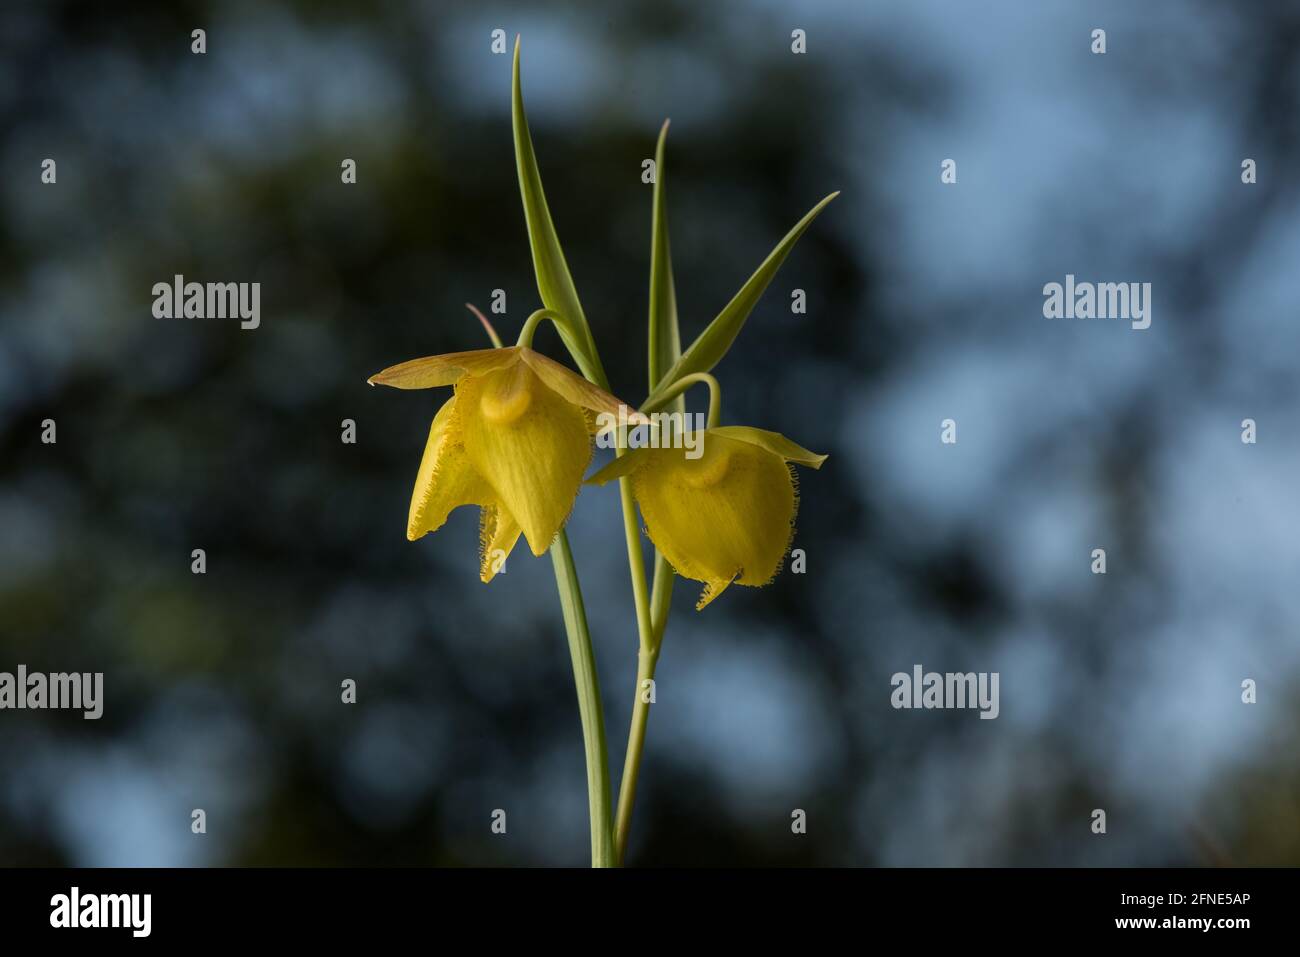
1120,692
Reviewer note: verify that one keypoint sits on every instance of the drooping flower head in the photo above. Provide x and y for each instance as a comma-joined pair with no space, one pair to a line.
514,439
726,516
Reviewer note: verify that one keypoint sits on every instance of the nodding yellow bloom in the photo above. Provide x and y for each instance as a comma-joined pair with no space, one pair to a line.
514,439
726,516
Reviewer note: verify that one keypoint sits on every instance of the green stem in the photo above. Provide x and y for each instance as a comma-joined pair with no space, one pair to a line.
532,322
684,383
645,672
651,620
635,560
646,663
587,682
661,596
591,368
589,706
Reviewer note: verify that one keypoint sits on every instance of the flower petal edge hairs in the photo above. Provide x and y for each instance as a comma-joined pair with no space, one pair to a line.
726,517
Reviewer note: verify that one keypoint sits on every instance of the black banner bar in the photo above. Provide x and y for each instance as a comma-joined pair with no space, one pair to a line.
336,906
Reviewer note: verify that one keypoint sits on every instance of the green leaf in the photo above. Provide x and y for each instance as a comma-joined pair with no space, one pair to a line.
554,283
665,336
665,349
707,350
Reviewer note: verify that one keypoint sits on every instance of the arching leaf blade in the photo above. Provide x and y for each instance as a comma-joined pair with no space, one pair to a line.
712,344
554,282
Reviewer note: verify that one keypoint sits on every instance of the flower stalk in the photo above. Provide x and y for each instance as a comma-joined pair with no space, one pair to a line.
647,661
648,655
590,709
515,439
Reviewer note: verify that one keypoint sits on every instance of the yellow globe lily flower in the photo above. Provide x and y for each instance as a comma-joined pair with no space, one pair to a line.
726,516
514,439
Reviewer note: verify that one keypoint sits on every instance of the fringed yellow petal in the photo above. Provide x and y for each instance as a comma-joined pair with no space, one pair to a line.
433,371
529,444
773,442
725,516
497,534
711,591
446,479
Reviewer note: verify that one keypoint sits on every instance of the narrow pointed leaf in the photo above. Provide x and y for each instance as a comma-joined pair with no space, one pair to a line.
707,350
665,337
554,283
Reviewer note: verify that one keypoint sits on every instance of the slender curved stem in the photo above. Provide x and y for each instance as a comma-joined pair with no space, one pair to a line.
590,709
487,326
684,383
535,320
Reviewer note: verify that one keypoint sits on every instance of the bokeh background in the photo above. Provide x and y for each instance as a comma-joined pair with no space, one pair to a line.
1120,692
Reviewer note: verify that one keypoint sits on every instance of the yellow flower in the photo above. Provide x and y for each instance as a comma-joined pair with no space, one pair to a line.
514,439
726,516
